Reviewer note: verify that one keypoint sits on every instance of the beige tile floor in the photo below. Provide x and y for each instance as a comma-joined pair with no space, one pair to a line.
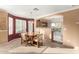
5,47
60,51
15,46
27,50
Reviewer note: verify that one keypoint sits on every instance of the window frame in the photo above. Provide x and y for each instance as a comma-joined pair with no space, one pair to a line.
17,35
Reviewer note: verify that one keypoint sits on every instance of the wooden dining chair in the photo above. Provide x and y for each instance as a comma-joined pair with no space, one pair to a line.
29,40
23,38
38,39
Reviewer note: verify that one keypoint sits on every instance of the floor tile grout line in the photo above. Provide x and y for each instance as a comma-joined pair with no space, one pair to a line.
43,50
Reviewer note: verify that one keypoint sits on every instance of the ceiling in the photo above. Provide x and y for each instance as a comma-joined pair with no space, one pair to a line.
28,10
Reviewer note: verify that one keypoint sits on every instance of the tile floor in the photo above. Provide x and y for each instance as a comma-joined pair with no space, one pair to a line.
7,48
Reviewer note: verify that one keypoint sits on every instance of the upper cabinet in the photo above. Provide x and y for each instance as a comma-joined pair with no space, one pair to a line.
41,23
3,20
3,26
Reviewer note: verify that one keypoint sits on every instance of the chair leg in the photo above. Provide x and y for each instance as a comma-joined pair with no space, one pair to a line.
21,41
26,43
38,44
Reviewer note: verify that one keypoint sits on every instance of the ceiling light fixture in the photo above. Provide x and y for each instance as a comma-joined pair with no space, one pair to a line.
35,9
53,25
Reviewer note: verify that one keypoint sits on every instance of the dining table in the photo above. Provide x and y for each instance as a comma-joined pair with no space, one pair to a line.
34,39
31,37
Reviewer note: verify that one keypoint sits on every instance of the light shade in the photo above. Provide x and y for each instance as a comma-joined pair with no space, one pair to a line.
35,9
53,24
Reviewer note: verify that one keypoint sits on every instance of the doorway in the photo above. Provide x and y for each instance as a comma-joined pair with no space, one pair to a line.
56,25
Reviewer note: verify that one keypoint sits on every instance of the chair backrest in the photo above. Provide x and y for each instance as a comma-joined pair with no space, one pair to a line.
30,33
39,37
23,36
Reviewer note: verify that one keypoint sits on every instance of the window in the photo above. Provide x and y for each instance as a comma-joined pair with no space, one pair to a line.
20,26
30,26
23,26
10,25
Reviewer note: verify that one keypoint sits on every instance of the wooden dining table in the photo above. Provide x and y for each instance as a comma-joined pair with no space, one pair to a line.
31,37
34,39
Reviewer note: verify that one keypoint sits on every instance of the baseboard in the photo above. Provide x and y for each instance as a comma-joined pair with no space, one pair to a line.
57,42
